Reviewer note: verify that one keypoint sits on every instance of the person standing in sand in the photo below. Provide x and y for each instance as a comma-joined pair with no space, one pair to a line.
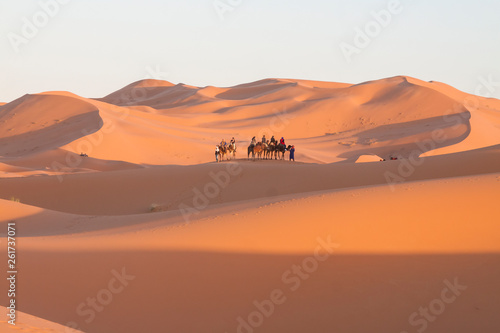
292,153
216,153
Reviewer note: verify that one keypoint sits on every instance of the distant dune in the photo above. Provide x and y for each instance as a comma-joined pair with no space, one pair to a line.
153,122
166,240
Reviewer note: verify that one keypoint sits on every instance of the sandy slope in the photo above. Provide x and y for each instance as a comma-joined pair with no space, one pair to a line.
392,258
339,246
29,323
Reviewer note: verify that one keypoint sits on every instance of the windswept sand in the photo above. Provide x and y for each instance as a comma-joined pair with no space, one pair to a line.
165,240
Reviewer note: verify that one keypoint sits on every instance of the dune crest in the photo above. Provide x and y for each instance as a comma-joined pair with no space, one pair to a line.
35,123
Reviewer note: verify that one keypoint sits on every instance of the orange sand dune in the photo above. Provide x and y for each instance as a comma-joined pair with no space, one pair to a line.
179,124
170,186
36,123
148,234
387,260
303,215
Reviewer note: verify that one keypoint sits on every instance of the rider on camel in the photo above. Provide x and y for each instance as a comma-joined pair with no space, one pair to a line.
223,143
282,141
264,138
254,141
273,140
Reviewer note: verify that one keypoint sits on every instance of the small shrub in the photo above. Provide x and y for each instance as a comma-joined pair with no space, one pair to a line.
155,208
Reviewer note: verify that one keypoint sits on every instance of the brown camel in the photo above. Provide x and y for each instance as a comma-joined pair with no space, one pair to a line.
271,150
282,149
231,150
222,152
256,149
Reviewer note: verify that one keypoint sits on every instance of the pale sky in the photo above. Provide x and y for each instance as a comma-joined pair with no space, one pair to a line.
94,47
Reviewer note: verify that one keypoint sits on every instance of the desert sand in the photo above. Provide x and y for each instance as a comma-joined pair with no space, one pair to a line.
149,234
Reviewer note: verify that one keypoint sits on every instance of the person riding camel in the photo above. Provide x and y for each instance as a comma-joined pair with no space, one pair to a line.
273,140
254,141
264,138
223,143
233,142
282,141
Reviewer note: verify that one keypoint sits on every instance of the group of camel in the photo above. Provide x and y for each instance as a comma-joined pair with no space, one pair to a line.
259,150
268,150
228,151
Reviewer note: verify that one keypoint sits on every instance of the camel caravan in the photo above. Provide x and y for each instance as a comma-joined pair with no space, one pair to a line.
265,149
225,150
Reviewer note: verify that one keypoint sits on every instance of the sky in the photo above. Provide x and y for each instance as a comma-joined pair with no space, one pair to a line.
95,47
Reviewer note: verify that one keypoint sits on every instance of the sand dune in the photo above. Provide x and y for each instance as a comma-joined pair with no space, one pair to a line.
302,215
36,123
170,186
390,261
179,124
166,240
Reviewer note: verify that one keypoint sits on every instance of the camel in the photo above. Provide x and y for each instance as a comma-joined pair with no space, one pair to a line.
263,152
256,149
222,152
282,149
231,150
250,150
270,150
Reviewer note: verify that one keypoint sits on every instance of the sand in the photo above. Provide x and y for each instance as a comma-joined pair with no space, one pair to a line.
162,238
